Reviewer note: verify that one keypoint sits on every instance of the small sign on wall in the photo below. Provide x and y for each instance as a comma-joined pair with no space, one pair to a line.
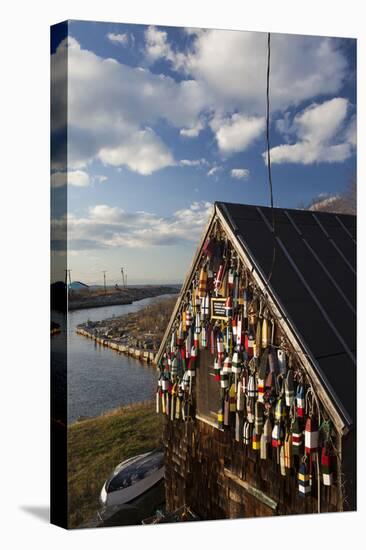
218,308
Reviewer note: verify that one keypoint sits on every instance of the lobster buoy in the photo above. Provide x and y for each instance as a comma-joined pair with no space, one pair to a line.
326,467
224,379
300,401
256,440
265,333
304,479
281,360
179,402
217,368
158,400
245,303
232,398
220,418
189,318
266,438
203,338
227,365
220,347
282,461
229,307
173,341
288,450
240,398
219,279
236,364
259,417
227,409
311,435
277,435
234,328
280,411
258,339
174,367
202,285
231,278
297,437
205,306
180,336
239,331
252,386
238,426
173,403
272,362
289,388
247,432
250,410
249,343
262,375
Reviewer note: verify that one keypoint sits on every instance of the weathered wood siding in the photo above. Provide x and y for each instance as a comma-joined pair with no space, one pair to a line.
197,457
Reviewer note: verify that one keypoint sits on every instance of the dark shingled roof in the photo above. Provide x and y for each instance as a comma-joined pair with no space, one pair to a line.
314,280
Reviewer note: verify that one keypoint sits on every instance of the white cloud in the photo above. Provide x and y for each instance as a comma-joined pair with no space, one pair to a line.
157,47
112,106
110,227
77,178
192,132
193,162
121,38
238,132
214,171
227,64
318,130
142,152
240,173
100,179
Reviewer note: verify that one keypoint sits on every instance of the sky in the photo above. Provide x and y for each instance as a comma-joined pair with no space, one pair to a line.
164,121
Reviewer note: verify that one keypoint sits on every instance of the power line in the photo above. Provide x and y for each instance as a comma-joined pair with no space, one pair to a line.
269,153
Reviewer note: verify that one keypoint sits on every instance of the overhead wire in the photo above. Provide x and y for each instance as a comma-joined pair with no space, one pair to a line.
269,156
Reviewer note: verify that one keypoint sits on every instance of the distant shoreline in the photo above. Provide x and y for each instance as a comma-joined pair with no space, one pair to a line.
123,297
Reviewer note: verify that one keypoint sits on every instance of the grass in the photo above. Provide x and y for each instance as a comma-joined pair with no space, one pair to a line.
97,445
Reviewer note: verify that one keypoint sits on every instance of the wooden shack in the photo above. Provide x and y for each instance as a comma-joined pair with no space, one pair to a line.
257,367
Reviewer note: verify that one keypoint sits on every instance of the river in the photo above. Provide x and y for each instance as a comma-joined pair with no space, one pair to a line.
98,378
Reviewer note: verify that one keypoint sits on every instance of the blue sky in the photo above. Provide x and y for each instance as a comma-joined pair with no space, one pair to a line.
164,121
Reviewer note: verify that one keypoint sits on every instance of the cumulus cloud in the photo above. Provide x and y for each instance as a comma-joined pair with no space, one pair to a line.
238,132
119,38
303,66
320,135
112,107
77,178
240,173
192,132
110,227
142,152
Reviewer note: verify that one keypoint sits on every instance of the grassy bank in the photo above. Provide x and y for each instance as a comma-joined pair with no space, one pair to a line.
97,445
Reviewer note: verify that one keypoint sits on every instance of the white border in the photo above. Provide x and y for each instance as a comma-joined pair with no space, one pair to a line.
25,274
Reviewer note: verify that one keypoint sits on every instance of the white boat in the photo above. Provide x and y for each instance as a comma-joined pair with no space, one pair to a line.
135,487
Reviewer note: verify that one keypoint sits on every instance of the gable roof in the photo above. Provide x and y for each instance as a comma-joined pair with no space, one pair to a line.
312,286
313,281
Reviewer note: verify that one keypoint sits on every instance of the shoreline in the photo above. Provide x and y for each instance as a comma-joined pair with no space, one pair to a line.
127,296
146,356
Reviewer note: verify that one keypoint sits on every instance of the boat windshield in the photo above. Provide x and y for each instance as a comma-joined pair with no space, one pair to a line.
131,473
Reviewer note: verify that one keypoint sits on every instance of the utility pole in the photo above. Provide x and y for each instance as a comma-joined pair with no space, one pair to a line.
123,277
68,276
105,285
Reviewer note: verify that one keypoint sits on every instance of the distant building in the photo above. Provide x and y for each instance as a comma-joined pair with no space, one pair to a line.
78,285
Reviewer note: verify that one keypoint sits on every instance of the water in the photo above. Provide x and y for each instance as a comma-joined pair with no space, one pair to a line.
100,379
